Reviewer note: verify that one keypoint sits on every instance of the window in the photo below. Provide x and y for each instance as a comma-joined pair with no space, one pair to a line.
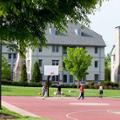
55,48
14,55
63,64
55,78
40,63
84,34
77,31
60,33
96,77
71,79
65,78
55,62
96,64
96,50
40,49
9,56
64,50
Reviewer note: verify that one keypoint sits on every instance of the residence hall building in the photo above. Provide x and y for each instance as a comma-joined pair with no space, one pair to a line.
115,57
54,53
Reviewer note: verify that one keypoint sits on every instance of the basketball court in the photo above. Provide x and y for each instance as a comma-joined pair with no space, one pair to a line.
61,108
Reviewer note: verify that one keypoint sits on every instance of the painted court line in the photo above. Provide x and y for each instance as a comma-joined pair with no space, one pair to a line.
90,104
114,112
18,110
69,115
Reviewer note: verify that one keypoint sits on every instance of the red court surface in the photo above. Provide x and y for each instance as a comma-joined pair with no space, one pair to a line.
69,108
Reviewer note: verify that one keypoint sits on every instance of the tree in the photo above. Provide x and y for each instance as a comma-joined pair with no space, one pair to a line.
23,74
6,69
36,73
24,22
77,62
107,68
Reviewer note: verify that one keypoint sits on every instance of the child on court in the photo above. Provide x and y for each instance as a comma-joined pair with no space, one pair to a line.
81,92
100,91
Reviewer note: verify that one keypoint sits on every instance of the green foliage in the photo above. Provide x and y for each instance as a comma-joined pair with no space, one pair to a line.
77,62
36,73
107,68
23,74
24,21
19,83
110,85
6,69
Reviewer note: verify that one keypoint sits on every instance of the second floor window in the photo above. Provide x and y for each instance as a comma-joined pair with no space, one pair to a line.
96,50
14,55
40,62
55,62
40,49
63,65
55,48
96,64
9,56
64,50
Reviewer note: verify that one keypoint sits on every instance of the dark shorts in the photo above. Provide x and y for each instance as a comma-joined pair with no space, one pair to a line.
101,92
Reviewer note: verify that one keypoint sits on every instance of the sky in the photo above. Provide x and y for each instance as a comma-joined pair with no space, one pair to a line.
104,21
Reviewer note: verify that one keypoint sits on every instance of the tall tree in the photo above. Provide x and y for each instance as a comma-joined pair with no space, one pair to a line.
23,74
24,22
77,62
6,69
36,73
107,68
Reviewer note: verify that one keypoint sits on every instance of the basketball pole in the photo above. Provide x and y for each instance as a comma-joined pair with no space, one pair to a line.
49,76
48,85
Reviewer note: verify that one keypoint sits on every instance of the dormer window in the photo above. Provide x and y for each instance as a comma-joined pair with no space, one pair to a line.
77,31
52,31
84,34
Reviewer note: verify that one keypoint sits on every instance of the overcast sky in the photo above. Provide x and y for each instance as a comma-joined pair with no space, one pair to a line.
105,20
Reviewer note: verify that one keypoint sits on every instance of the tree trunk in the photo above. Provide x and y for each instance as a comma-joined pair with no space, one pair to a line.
18,67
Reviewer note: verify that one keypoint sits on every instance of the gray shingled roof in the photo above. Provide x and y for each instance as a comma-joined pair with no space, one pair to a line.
72,39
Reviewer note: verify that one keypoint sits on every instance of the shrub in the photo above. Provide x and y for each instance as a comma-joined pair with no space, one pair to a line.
36,76
18,83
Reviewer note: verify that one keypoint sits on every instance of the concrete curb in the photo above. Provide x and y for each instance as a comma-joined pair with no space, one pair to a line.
18,110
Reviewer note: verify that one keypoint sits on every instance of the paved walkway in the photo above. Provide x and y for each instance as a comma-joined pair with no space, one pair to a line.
65,108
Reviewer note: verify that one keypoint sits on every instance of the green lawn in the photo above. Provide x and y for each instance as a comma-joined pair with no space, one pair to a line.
16,116
67,92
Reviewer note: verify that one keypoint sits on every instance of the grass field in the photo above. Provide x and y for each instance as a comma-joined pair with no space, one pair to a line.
6,114
67,92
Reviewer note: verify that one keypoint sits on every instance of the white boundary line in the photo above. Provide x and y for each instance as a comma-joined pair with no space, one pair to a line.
18,110
89,104
114,111
69,115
